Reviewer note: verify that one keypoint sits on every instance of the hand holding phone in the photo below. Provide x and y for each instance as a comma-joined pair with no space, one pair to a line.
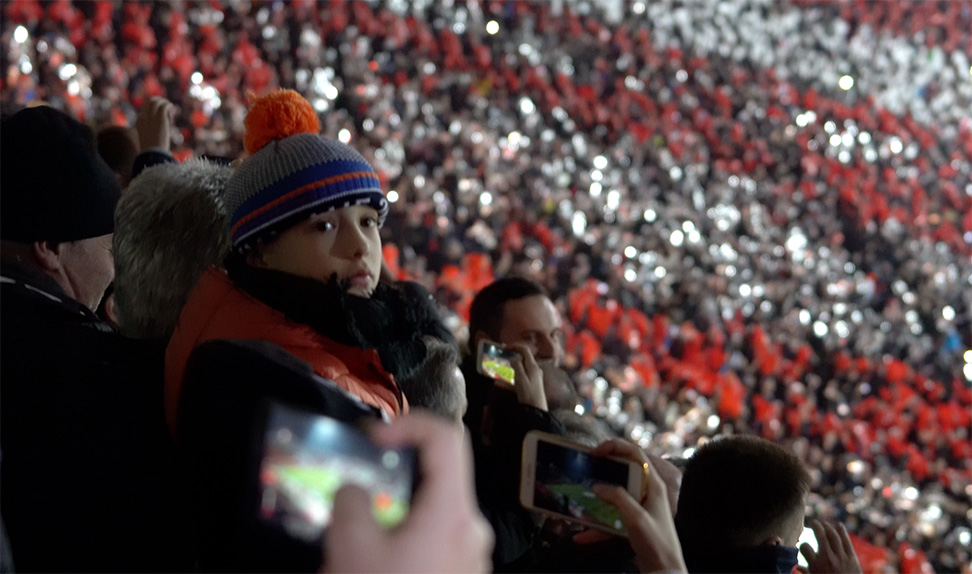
834,552
444,531
558,478
649,525
308,457
530,389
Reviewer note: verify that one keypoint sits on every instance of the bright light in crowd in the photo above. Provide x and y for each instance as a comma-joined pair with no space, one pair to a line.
20,35
846,82
895,145
392,196
67,71
968,356
527,106
968,371
835,140
630,275
745,290
486,198
660,272
196,78
804,317
677,237
600,162
579,223
639,8
330,92
819,328
596,189
344,135
613,199
650,215
630,252
492,27
948,313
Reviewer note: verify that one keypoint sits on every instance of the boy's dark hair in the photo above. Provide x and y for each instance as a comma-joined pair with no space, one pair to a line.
428,387
486,312
734,491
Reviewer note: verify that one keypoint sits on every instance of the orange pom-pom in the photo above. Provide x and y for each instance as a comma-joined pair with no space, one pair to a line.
278,115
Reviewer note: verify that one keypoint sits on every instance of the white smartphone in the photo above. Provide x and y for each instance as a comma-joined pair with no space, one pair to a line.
810,538
557,476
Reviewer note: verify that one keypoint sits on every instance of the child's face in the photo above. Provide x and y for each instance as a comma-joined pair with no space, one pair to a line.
343,241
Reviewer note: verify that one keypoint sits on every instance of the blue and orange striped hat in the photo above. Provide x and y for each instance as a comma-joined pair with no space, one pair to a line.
292,172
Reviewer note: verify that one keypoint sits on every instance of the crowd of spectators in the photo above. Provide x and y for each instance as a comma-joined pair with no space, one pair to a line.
756,216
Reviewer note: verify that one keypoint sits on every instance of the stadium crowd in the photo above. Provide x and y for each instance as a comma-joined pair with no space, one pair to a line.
755,217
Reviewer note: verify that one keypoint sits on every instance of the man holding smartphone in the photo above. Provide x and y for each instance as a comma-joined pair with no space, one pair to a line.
517,315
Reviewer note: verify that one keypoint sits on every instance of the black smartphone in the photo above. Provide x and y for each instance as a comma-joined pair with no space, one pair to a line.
308,457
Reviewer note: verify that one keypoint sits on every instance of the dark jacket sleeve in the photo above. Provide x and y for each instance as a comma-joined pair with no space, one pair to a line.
148,158
228,390
498,459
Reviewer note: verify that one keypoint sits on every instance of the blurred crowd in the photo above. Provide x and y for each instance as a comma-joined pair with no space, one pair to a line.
754,215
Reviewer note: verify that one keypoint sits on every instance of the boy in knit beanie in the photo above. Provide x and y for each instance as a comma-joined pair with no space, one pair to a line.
304,214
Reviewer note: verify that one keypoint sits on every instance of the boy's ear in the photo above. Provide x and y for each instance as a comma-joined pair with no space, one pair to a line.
48,255
772,541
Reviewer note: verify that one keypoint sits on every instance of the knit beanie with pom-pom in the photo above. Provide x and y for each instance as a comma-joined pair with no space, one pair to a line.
292,172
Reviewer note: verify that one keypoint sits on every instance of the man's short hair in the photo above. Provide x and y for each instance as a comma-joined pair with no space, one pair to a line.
736,491
170,226
486,312
429,387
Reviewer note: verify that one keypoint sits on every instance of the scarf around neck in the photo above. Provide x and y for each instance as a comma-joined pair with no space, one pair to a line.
385,322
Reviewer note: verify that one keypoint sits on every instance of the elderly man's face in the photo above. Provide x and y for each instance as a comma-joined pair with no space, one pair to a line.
87,268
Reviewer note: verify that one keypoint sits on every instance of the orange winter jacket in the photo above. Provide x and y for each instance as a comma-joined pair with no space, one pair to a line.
218,309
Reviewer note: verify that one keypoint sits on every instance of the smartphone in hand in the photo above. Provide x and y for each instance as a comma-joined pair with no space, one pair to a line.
495,361
307,458
557,477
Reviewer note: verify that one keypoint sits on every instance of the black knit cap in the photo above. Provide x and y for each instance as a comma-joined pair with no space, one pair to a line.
53,184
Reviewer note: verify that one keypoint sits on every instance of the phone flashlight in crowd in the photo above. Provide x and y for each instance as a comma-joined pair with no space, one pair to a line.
558,476
810,538
495,361
307,458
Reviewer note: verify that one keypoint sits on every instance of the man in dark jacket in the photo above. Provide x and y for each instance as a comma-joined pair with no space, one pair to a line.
517,314
81,435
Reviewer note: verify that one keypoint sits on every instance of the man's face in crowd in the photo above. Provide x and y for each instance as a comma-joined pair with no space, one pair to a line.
535,322
87,268
343,241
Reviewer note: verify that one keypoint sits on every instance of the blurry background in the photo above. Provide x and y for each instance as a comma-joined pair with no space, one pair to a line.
755,215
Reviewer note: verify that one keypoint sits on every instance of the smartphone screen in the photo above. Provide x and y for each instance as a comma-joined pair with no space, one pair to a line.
495,361
564,477
810,538
307,458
